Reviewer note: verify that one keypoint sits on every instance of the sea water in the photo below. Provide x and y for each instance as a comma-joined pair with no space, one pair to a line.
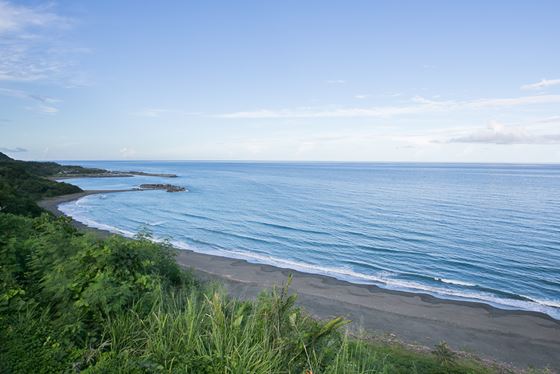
480,232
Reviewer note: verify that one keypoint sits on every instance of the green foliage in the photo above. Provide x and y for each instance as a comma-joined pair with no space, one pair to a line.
27,180
29,344
5,157
72,302
21,183
444,354
24,182
47,169
13,202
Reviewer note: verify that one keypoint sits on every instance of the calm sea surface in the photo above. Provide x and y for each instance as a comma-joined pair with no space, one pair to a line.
487,233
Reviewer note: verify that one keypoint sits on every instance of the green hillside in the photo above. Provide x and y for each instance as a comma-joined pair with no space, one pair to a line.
22,183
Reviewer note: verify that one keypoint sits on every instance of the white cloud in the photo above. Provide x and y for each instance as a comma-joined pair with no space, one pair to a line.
127,152
151,112
13,150
336,81
29,49
158,112
14,18
47,109
544,83
552,119
488,102
25,63
497,133
418,105
44,103
361,96
25,95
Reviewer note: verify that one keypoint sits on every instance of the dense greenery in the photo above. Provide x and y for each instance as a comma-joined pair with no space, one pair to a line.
21,183
4,157
72,302
47,169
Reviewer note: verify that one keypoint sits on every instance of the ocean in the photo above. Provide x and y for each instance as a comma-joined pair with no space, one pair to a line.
477,232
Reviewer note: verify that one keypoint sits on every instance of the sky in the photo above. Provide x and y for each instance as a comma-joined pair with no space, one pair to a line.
410,81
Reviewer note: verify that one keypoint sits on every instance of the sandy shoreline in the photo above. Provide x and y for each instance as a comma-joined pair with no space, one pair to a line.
518,337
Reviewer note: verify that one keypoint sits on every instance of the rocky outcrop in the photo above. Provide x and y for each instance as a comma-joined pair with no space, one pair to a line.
160,186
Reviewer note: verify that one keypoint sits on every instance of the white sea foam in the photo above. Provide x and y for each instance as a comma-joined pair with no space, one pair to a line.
547,302
455,282
74,210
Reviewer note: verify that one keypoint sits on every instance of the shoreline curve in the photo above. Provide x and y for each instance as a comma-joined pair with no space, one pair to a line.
517,337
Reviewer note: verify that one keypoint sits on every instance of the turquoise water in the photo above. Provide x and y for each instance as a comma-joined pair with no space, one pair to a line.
488,233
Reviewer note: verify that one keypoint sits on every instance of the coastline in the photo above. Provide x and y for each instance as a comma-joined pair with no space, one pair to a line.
521,338
112,174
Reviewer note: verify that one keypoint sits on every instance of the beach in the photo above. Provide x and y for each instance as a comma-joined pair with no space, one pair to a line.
519,338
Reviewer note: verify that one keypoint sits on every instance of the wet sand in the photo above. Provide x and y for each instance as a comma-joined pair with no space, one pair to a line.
518,338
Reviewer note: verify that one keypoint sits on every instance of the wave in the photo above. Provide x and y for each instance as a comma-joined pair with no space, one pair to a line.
288,228
74,209
455,282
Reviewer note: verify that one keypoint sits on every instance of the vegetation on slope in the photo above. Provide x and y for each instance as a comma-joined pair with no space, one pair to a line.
47,169
21,183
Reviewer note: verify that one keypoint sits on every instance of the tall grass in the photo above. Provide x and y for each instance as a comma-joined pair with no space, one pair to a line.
207,332
204,331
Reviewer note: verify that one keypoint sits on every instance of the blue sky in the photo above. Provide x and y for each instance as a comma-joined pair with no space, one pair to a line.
475,81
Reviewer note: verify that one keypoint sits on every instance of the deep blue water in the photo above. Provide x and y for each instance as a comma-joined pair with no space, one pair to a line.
487,233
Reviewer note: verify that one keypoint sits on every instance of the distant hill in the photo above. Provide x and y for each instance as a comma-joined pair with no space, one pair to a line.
51,169
24,182
4,157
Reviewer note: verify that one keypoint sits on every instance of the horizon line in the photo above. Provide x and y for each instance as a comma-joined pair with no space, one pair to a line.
304,161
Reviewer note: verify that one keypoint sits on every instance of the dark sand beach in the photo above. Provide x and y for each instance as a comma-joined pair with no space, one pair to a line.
519,338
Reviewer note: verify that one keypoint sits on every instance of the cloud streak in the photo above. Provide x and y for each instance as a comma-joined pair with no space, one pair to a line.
361,96
418,105
13,150
44,104
159,112
14,18
151,112
544,83
497,133
27,53
127,152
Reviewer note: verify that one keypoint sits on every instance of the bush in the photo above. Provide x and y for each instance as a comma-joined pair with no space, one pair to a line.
20,187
